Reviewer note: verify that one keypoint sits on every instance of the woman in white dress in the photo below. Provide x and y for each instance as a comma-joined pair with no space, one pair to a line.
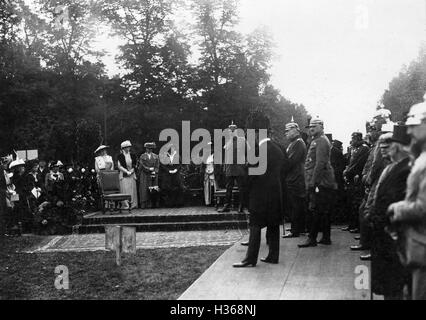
103,161
127,165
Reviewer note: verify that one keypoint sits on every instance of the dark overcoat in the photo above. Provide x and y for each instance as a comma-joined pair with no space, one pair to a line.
146,179
388,274
265,191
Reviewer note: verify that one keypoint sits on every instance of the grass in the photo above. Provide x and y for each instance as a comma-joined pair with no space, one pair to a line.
151,274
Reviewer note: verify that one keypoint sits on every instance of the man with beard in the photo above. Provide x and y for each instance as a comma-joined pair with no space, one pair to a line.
410,213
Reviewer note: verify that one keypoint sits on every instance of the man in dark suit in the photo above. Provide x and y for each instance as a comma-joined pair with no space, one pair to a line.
388,274
235,171
265,196
295,179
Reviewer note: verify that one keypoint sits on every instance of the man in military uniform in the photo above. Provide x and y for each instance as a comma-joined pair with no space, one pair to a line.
235,171
353,178
295,179
320,184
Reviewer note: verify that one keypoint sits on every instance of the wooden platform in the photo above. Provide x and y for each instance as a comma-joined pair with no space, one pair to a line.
322,272
165,219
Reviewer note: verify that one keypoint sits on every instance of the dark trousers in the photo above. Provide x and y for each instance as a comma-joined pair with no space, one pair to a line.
297,208
272,238
365,229
321,204
356,194
242,183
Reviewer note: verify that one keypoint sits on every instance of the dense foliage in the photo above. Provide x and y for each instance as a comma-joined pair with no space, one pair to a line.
56,96
407,88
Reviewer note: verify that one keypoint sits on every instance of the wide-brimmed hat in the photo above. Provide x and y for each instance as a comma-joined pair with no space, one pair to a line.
400,135
150,145
125,144
101,147
16,163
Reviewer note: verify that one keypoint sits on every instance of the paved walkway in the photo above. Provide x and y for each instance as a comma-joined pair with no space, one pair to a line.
145,240
322,272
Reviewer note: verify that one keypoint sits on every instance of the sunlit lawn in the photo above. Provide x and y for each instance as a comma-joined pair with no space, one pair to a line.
150,274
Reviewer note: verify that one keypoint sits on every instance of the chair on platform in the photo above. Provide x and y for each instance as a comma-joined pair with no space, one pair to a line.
110,190
219,195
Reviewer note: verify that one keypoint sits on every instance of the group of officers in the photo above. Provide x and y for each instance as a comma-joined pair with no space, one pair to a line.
380,186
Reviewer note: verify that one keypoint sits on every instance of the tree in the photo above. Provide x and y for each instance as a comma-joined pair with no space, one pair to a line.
407,88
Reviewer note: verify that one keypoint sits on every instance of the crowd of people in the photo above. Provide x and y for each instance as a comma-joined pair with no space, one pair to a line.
378,188
44,197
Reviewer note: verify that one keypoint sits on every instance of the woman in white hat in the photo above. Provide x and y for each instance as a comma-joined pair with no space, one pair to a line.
127,165
103,161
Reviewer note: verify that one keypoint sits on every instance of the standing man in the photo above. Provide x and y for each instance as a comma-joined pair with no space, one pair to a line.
320,184
148,166
353,176
338,162
295,179
387,273
265,194
411,212
234,170
42,170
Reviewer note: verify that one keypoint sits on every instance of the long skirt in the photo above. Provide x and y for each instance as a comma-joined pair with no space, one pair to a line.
128,186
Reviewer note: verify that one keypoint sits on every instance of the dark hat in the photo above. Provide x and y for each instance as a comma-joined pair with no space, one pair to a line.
32,163
400,135
357,135
337,143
